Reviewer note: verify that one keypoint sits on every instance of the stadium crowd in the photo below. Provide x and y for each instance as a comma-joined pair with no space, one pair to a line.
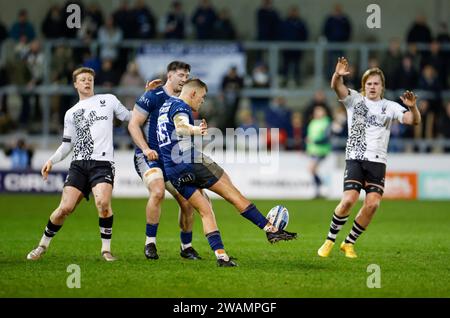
412,68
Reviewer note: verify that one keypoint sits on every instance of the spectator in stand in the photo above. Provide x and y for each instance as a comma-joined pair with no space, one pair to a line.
268,22
278,115
109,38
145,21
91,61
429,82
436,58
232,84
131,78
224,28
61,68
22,28
318,143
203,20
337,28
444,127
443,37
293,29
406,77
419,31
260,79
173,24
391,61
124,19
416,58
3,34
34,62
425,130
319,98
54,23
21,155
107,76
296,141
71,33
95,15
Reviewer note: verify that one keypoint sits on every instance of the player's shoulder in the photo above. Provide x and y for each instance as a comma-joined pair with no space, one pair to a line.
178,104
392,104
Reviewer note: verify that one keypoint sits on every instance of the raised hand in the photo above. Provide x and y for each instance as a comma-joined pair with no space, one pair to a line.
342,67
409,99
203,127
153,84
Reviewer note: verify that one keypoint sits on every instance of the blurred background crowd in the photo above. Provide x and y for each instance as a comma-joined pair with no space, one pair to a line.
263,96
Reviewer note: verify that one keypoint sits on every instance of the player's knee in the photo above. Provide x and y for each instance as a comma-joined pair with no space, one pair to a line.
102,206
372,205
347,203
65,210
157,194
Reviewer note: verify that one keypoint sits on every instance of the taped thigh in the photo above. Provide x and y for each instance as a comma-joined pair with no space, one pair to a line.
151,175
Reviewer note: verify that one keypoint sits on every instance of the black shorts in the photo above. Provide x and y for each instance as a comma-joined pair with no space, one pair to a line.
86,174
362,174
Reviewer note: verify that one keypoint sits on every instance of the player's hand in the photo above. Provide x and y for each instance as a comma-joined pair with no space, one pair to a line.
153,84
342,67
46,169
151,154
203,127
409,99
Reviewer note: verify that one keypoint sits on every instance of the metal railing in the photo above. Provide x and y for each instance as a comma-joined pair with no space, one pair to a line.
271,50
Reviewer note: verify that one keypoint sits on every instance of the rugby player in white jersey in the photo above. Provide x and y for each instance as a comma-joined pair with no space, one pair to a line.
370,117
88,131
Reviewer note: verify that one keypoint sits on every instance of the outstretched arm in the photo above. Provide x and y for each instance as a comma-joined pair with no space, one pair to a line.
413,116
337,81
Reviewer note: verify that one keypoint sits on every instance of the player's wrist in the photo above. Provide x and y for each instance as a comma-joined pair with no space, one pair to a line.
195,130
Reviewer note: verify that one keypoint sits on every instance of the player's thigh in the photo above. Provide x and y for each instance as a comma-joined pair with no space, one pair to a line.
226,189
354,178
375,173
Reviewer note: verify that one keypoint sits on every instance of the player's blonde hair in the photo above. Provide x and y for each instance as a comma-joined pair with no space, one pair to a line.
82,70
367,74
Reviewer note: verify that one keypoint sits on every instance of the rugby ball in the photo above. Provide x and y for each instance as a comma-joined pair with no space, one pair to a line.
278,216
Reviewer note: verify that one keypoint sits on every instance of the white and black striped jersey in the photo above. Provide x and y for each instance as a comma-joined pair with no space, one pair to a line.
369,123
88,126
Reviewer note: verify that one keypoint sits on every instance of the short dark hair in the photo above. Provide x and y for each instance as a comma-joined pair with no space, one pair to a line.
196,83
178,65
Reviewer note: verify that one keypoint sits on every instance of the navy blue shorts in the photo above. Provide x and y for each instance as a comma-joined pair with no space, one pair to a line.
187,178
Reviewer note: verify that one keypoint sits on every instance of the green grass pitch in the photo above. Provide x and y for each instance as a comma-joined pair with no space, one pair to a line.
408,240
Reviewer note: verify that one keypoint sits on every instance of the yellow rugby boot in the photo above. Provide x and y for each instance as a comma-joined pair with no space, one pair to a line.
349,250
325,249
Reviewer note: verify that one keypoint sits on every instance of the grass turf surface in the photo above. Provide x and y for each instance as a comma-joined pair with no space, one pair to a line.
409,240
